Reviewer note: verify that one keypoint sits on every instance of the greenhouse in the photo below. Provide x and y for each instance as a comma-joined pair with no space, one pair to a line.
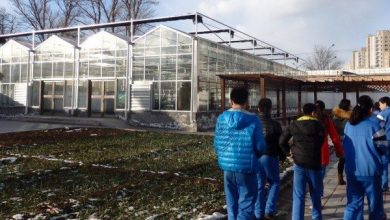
163,78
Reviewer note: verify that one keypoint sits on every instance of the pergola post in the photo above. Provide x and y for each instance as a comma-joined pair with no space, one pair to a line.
315,92
284,110
299,99
278,103
222,94
262,88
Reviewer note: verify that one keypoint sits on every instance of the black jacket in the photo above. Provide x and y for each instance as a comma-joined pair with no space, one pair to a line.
308,136
272,131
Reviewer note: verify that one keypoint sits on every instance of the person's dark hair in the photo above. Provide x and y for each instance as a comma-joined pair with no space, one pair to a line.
376,107
385,100
345,104
239,95
308,108
320,111
265,105
361,110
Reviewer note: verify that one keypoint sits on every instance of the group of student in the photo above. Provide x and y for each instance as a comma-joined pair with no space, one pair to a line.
249,147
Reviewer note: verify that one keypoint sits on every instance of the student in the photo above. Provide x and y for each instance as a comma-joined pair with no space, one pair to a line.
330,131
384,117
363,143
308,136
341,115
269,163
238,145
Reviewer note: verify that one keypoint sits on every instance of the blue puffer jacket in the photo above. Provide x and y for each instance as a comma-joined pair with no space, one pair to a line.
363,144
239,141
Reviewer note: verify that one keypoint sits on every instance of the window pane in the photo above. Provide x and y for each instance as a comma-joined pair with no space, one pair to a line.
109,88
152,51
168,50
138,51
168,37
97,88
185,49
47,104
168,68
184,39
48,89
168,96
152,68
153,39
83,69
183,95
138,68
96,105
59,88
213,97
121,94
68,94
184,64
58,104
82,97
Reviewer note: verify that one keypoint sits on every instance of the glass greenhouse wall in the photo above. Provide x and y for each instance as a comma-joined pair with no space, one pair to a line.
14,66
163,58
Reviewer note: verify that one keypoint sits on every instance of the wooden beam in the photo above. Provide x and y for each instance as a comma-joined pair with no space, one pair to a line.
277,102
284,107
262,88
299,99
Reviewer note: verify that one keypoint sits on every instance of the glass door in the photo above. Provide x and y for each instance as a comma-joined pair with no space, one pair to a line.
103,98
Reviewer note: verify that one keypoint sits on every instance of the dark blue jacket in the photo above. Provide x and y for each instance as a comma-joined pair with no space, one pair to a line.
239,141
363,145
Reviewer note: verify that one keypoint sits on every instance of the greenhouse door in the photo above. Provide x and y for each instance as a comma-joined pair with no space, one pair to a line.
53,97
102,98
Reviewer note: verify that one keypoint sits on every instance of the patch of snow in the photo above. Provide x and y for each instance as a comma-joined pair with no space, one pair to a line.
163,172
18,216
8,160
208,178
153,217
214,216
131,208
93,135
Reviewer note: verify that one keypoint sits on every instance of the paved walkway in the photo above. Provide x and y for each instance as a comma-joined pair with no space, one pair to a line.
334,199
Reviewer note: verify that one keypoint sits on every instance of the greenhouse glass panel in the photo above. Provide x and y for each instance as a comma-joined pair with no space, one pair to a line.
121,94
35,93
184,40
83,94
83,69
184,67
95,68
47,104
23,72
153,39
138,68
58,104
213,97
108,68
68,69
152,68
168,96
47,89
152,51
15,73
58,69
59,88
121,53
97,88
156,96
109,89
183,95
6,73
47,70
168,37
37,70
68,93
138,51
203,95
121,67
168,67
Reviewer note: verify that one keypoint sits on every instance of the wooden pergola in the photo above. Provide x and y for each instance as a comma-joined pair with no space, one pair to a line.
343,82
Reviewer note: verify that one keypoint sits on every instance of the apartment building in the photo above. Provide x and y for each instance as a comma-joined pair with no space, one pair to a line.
376,54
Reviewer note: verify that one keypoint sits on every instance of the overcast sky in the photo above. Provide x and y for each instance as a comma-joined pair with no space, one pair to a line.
293,25
296,25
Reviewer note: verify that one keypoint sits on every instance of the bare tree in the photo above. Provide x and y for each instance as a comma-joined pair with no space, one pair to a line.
138,9
323,58
7,22
69,12
36,14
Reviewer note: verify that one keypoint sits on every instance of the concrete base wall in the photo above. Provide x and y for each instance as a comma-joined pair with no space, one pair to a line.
206,121
12,110
170,120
